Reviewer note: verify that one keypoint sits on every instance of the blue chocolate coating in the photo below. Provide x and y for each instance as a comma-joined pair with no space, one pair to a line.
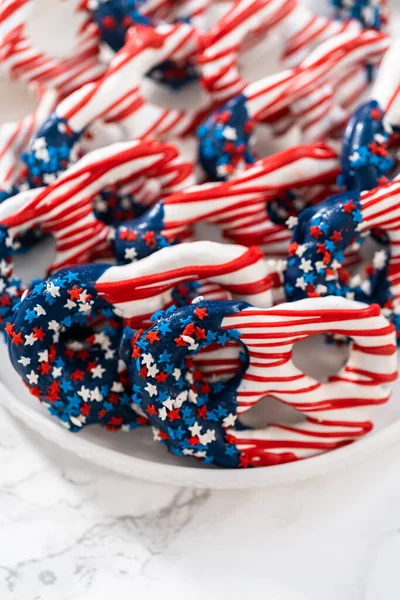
174,395
319,240
50,152
365,161
114,17
224,138
368,12
136,239
79,382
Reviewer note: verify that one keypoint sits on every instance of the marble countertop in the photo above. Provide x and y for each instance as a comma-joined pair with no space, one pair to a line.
71,531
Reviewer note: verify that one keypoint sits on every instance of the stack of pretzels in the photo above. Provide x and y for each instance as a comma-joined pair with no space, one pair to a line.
137,321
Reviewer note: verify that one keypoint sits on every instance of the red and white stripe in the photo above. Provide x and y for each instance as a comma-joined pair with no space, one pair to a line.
116,96
317,92
222,44
238,206
139,289
386,89
381,210
25,62
16,136
336,412
304,30
64,208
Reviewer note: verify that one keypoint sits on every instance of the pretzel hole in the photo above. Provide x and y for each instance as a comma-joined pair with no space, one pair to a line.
269,410
34,263
316,358
191,95
16,100
62,19
320,358
221,363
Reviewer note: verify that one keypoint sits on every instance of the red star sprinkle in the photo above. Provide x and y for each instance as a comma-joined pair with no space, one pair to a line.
315,231
383,180
149,238
202,413
52,353
376,114
44,368
180,341
75,292
152,336
336,236
349,207
197,376
115,421
85,409
38,333
17,339
143,372
377,149
327,258
189,329
9,329
194,440
136,352
161,377
108,22
151,409
244,461
200,333
201,313
174,415
205,388
77,375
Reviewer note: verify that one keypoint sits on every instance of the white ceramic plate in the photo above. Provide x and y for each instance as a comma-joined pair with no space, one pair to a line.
135,454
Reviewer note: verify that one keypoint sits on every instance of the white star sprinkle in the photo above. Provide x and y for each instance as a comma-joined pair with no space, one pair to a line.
39,310
54,325
30,339
300,250
43,356
229,421
33,378
300,283
130,254
147,360
195,429
53,290
97,371
56,372
152,371
25,361
95,395
151,390
291,222
306,265
84,393
380,259
162,413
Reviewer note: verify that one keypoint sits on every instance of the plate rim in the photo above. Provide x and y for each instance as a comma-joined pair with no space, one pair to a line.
182,476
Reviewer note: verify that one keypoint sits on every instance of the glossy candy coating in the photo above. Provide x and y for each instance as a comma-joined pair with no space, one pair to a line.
365,161
198,418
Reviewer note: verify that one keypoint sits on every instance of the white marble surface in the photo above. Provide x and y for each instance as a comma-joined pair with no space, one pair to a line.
70,531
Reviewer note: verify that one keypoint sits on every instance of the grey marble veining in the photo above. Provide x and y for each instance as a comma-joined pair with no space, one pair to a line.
71,531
